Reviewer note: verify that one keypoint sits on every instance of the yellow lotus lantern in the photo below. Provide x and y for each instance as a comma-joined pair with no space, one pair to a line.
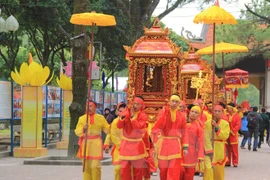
64,82
31,75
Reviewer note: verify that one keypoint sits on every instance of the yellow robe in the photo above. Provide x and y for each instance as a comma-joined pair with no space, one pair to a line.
208,115
219,153
114,137
220,139
94,141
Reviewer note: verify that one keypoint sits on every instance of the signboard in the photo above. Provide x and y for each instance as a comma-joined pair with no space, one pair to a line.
5,100
95,70
17,101
53,105
107,99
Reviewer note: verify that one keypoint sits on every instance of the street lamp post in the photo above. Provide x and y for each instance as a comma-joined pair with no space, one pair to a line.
9,25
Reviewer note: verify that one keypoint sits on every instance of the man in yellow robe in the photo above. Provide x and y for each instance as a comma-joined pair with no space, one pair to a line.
115,137
94,126
218,130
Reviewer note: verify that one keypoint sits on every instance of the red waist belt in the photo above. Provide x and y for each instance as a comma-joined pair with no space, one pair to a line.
219,140
87,137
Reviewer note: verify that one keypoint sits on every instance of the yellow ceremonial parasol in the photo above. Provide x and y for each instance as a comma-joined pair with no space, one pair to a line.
214,15
223,48
91,19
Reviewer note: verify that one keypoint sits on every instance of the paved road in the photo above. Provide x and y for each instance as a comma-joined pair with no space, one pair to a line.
252,166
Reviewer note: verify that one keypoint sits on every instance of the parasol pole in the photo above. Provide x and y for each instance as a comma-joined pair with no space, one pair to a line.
213,80
223,69
88,93
214,63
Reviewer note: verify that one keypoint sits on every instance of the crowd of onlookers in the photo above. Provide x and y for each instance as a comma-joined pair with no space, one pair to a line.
255,125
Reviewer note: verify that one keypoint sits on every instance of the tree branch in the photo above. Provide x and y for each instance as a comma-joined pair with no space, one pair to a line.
175,5
257,50
5,59
64,32
149,10
258,15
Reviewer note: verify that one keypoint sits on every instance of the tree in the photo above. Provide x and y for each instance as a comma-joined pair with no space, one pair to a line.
43,21
79,70
139,12
258,13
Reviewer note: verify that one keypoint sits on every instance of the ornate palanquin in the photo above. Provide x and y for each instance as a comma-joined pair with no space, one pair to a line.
189,68
157,69
153,69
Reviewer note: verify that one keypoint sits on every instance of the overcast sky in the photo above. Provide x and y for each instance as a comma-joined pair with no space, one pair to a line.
183,17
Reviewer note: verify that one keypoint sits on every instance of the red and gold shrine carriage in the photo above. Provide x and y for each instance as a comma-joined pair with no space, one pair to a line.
193,70
155,70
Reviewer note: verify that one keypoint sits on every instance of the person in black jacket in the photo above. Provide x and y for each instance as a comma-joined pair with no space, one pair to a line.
264,125
268,130
253,130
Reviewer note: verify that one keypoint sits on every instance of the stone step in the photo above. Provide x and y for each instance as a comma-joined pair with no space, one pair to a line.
62,160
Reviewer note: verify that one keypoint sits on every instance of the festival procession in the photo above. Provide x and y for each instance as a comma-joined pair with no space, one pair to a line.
191,107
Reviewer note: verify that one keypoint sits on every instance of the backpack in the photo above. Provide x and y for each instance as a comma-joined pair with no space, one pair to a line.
252,122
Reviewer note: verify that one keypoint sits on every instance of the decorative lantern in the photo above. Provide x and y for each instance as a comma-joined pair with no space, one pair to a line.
31,77
11,24
2,25
65,83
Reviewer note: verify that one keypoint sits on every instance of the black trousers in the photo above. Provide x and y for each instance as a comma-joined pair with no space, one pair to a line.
261,137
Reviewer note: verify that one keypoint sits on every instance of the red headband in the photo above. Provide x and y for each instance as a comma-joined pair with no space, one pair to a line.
183,103
218,107
93,104
139,100
118,105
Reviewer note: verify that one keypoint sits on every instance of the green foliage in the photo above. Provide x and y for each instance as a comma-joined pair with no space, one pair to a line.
262,10
179,41
97,85
113,39
252,94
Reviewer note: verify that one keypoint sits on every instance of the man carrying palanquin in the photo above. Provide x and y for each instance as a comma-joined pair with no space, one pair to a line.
132,148
115,137
171,125
232,142
195,140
